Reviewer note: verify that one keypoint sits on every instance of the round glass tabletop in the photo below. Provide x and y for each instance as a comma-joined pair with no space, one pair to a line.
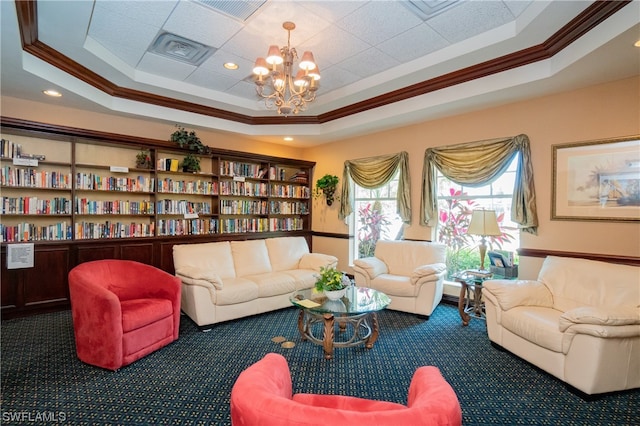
357,300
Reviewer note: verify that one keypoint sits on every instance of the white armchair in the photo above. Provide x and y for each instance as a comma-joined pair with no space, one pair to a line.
411,273
579,321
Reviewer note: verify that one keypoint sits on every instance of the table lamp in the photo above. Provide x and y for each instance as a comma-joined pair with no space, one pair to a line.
483,223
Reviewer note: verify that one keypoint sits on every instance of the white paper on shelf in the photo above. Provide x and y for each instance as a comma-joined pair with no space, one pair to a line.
118,169
30,162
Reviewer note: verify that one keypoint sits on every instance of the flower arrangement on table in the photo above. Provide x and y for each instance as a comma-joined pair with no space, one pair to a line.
330,279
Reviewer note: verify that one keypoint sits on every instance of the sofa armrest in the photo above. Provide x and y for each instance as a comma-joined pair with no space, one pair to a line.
509,294
427,273
315,261
370,266
600,316
197,276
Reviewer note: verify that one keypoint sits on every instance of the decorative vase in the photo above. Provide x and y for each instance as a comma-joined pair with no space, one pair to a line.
329,194
335,294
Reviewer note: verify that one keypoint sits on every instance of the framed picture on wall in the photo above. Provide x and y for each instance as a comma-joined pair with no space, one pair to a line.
597,180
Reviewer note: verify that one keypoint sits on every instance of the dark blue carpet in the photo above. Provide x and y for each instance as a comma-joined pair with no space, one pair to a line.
189,381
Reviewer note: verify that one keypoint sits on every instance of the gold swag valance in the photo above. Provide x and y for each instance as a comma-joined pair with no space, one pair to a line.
373,172
480,163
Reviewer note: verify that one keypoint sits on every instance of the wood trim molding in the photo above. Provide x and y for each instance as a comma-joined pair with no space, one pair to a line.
331,235
596,13
624,260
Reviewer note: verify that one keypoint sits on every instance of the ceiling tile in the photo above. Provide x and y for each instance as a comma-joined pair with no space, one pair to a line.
211,80
369,62
204,25
165,67
126,38
414,43
335,78
153,13
334,46
470,18
378,21
332,10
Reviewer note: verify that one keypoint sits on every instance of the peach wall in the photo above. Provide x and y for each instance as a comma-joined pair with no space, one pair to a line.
601,111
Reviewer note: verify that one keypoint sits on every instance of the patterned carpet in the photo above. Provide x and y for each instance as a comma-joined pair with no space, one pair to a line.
189,382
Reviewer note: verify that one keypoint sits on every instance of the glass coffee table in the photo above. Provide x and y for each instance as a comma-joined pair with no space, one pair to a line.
355,315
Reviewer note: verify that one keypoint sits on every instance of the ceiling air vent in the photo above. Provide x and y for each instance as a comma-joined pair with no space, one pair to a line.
238,9
181,49
427,9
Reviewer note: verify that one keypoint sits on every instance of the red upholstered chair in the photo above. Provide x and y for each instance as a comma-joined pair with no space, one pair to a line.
262,395
122,311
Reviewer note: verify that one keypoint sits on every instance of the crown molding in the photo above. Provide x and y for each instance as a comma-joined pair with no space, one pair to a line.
596,13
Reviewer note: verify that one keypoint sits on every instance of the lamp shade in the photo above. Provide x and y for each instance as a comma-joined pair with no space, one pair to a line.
274,57
307,62
484,222
261,68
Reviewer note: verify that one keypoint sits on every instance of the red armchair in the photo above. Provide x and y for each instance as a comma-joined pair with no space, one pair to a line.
122,311
262,395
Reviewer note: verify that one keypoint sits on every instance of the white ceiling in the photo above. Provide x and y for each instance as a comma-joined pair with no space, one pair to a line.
364,49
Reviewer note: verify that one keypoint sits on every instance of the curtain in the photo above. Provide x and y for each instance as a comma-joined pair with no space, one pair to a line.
477,164
373,172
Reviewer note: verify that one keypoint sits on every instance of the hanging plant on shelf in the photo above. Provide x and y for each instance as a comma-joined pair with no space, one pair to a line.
326,186
189,139
143,159
191,163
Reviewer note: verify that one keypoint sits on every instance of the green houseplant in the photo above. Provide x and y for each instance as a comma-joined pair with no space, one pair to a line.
189,139
191,163
143,159
332,282
327,185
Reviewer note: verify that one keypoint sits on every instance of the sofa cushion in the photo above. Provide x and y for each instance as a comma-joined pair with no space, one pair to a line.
581,282
236,290
394,285
345,402
535,324
402,257
285,252
213,257
250,257
303,278
138,313
273,283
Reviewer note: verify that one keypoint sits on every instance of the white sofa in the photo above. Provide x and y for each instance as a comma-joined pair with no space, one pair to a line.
579,321
411,273
226,280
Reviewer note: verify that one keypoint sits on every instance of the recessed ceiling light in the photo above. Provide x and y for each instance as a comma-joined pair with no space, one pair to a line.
53,93
288,138
637,43
231,66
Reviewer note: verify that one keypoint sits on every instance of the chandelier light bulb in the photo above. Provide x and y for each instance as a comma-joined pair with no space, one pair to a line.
261,68
274,57
307,62
301,79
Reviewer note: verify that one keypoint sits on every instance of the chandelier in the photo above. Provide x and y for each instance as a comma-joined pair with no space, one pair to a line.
278,86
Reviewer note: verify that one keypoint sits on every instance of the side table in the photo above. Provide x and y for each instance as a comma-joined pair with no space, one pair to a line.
470,302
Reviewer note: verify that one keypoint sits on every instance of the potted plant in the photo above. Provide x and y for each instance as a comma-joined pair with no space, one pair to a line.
327,185
191,163
143,159
332,282
189,139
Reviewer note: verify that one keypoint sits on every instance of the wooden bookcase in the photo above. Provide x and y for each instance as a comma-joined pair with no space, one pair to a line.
87,200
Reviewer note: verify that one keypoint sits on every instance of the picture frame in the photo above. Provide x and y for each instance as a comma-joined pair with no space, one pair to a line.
597,180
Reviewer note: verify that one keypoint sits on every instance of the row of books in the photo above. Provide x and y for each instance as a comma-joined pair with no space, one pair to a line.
90,181
9,149
286,224
250,189
172,227
167,164
188,187
290,191
182,207
34,205
244,207
108,229
85,206
288,207
27,232
233,168
231,226
31,178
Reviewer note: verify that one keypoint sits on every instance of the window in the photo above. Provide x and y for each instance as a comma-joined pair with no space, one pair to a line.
375,217
455,206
